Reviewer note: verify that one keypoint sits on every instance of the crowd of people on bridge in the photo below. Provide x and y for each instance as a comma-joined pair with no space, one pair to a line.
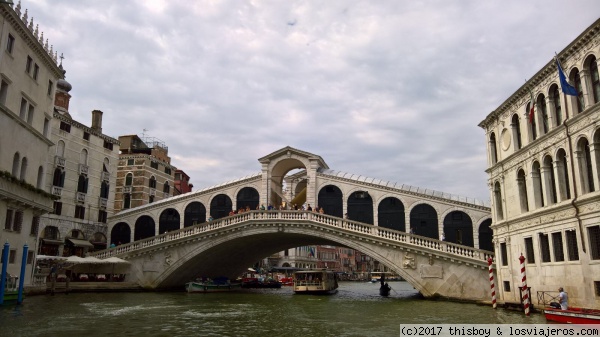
282,207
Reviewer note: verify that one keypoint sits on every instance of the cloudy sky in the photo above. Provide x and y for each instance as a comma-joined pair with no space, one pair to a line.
392,90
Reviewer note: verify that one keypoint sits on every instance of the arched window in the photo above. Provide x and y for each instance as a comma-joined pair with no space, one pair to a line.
23,173
82,184
104,189
83,157
576,80
152,182
129,179
493,151
595,79
522,184
550,180
543,113
516,131
105,165
498,201
585,166
60,148
126,201
58,179
166,187
564,189
16,163
555,97
538,191
40,178
532,124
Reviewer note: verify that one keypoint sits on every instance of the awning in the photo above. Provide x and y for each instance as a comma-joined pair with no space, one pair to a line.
81,243
52,242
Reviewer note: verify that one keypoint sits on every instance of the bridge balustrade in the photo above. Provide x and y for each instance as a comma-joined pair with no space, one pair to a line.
349,225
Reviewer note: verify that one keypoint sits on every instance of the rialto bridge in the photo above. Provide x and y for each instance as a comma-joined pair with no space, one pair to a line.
169,242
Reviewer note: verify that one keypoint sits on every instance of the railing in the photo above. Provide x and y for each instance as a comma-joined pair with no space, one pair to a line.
105,176
103,202
83,169
152,191
306,217
126,189
80,197
59,161
57,190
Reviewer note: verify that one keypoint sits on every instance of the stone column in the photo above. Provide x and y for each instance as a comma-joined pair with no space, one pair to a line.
536,190
546,179
561,192
581,171
265,192
584,75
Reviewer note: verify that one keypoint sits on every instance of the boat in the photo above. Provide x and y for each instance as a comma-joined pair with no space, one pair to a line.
211,286
384,289
315,281
254,282
572,315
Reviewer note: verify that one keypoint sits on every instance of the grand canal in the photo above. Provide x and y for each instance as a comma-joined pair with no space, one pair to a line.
356,310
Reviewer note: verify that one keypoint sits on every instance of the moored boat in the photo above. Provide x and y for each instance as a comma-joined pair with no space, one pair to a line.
211,286
573,315
315,282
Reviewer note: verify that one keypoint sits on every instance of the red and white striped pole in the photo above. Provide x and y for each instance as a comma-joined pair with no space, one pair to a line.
492,286
524,291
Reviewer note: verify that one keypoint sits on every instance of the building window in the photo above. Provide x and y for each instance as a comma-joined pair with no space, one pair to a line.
35,226
529,252
104,189
493,151
151,199
166,187
10,44
57,208
12,256
168,170
46,127
82,184
572,248
28,64
504,254
59,178
9,219
50,87
498,201
36,71
18,222
130,162
86,136
152,182
128,179
102,216
79,212
154,165
30,255
557,244
594,235
108,145
127,201
23,109
595,79
3,92
555,96
541,103
522,185
576,80
516,128
597,287
506,285
545,247
65,127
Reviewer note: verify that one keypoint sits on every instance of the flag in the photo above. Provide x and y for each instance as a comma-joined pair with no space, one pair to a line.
567,88
531,106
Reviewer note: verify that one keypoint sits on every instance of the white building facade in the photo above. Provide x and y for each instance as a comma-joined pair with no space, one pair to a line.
28,76
544,179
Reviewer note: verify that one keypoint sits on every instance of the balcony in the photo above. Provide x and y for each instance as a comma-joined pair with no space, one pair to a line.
102,203
127,189
105,176
166,195
57,190
83,169
80,197
152,192
59,161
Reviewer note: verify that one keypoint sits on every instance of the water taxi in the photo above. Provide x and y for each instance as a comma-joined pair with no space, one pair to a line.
315,282
572,315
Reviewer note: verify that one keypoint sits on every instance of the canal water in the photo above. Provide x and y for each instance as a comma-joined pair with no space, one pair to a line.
356,310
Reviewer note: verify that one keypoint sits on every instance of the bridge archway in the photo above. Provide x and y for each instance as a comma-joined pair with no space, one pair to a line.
168,221
280,169
486,235
248,197
424,221
390,214
121,232
194,213
144,228
458,228
331,199
360,207
220,206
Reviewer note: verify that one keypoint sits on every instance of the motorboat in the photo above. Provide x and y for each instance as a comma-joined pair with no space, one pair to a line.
315,281
572,315
211,286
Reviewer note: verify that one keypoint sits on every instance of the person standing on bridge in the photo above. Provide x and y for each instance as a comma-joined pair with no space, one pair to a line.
308,208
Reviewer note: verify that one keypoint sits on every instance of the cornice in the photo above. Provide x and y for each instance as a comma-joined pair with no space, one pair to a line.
87,129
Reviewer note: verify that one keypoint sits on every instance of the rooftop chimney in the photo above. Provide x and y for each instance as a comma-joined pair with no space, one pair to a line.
97,120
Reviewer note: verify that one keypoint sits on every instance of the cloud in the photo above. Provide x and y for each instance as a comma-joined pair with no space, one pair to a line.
389,90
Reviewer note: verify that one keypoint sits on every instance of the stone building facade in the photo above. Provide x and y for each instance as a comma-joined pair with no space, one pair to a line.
28,75
144,173
544,179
